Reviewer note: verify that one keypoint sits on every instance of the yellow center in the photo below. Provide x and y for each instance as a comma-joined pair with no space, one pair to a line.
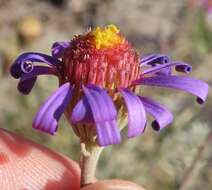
106,37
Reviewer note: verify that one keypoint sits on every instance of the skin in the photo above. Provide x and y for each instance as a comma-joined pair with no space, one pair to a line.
25,165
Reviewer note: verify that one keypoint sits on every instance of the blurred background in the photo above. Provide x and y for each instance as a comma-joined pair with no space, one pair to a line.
179,157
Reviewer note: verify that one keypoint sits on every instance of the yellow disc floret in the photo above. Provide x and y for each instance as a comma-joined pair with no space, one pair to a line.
106,37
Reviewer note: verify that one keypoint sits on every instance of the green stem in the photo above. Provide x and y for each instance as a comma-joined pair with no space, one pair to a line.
88,162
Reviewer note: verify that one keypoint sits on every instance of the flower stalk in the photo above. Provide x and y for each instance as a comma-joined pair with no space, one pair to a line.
89,157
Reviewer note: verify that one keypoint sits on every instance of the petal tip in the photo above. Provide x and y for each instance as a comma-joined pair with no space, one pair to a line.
200,100
15,71
156,126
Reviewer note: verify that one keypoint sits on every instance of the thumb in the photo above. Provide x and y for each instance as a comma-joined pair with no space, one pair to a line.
25,165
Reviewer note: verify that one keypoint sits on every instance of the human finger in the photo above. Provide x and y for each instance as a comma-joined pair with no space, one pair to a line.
25,165
113,184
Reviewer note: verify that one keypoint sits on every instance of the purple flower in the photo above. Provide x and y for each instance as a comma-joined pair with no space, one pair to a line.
207,5
203,4
98,74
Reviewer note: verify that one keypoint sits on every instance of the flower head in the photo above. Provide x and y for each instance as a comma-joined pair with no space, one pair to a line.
98,73
101,57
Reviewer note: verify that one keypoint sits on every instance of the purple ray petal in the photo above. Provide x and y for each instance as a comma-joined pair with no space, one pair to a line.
187,84
100,103
136,113
25,85
183,67
28,80
58,48
147,57
23,64
82,112
163,117
104,114
165,71
108,133
179,66
154,59
50,112
165,68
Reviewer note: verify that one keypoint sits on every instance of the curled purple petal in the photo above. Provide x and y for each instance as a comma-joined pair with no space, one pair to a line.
24,63
27,67
104,114
165,71
82,112
58,48
25,85
50,112
179,66
183,67
154,59
136,113
28,80
158,68
147,57
163,117
187,84
16,71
